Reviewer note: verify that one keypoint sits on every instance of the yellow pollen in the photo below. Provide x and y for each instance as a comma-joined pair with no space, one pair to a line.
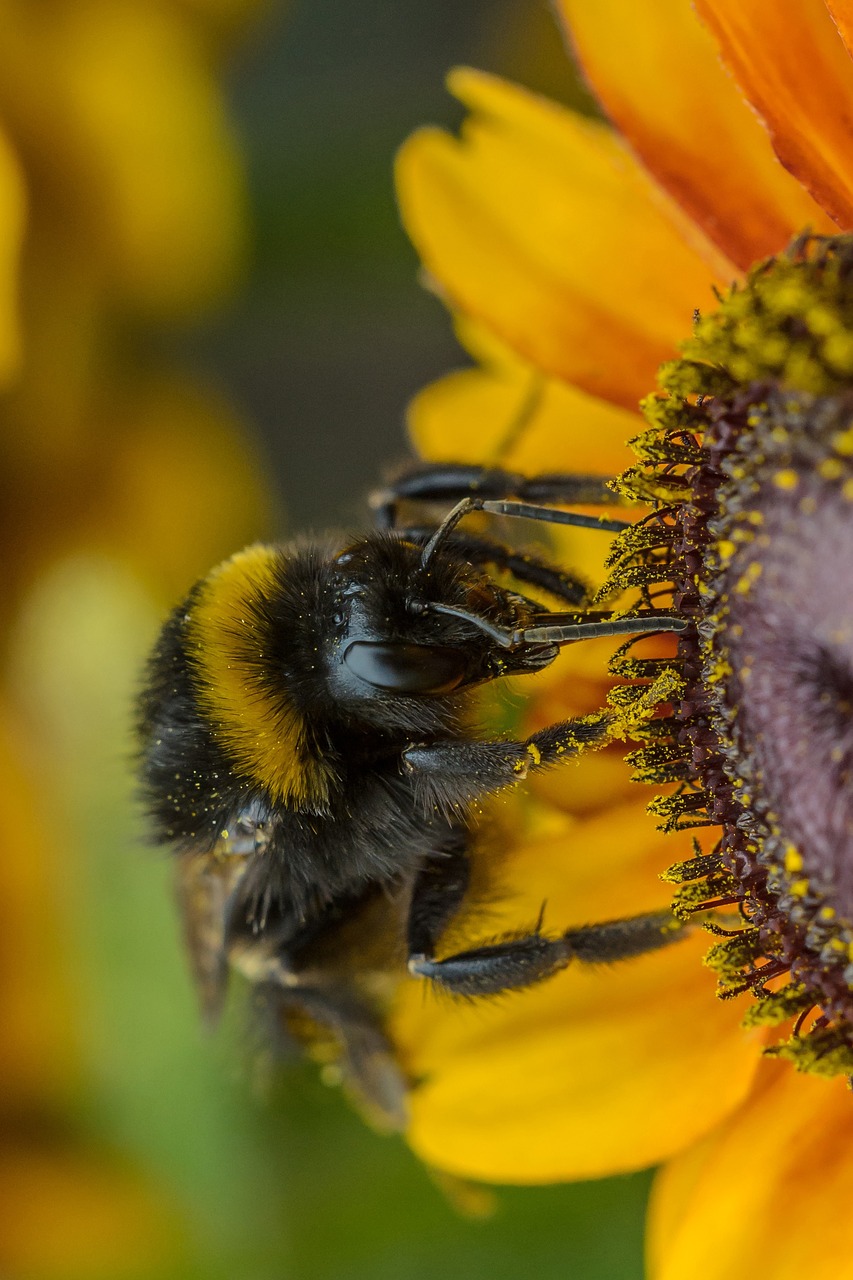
751,576
756,517
793,859
831,469
827,913
787,479
800,888
534,752
847,490
843,442
726,549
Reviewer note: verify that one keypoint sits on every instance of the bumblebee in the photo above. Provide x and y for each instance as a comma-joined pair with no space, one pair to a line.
308,751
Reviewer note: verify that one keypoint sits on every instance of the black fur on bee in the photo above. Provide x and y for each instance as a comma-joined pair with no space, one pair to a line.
309,750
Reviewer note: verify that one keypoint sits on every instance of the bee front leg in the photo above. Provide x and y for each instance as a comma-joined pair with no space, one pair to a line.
447,482
450,775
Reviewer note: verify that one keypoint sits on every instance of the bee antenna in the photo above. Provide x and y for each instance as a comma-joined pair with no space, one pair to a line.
447,526
601,625
505,637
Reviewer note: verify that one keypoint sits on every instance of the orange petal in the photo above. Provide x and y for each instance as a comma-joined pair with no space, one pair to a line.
539,224
792,64
68,1215
769,1195
658,76
595,783
842,16
593,1071
507,413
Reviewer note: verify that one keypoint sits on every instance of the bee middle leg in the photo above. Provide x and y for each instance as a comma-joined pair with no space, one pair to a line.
514,960
521,960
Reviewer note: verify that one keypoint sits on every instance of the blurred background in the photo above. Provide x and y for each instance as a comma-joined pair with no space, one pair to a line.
210,326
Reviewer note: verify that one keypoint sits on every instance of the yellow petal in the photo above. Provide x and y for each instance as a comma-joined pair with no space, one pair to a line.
657,74
12,213
792,65
507,413
540,225
134,156
768,1195
593,1071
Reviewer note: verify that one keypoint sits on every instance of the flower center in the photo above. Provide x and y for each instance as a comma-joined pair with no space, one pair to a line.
749,467
789,641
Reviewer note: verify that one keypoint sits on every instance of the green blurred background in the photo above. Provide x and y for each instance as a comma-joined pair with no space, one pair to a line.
317,354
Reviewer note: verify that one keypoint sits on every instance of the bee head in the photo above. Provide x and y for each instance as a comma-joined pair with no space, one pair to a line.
414,630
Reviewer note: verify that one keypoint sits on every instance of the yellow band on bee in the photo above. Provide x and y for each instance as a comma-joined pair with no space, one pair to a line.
260,728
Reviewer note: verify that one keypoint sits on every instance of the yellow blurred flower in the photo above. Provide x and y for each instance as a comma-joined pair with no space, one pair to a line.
121,212
574,261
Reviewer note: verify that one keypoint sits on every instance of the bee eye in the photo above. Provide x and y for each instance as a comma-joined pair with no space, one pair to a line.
406,668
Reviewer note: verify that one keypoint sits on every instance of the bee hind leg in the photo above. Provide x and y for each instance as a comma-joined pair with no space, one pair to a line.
366,1063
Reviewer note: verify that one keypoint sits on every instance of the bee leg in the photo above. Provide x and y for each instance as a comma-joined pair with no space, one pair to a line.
528,569
448,775
448,483
437,893
522,960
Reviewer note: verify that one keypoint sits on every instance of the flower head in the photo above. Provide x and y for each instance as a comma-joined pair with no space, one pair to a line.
748,461
579,265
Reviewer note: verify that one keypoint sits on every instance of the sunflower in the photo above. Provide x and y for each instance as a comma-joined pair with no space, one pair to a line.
702,251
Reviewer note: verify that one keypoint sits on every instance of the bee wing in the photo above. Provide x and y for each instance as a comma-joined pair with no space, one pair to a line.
205,886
